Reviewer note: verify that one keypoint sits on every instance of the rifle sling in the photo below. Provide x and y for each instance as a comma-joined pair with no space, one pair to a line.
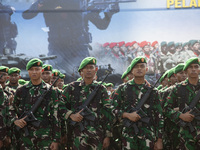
132,96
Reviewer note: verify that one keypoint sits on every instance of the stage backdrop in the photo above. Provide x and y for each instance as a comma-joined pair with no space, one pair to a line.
63,32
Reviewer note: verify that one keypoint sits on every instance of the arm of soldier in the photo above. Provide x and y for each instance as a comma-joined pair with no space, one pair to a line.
168,109
53,109
65,109
107,118
158,120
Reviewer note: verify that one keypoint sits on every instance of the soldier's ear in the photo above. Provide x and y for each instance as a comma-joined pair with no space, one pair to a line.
96,69
19,77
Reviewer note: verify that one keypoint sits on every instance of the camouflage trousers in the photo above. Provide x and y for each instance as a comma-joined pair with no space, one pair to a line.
189,141
36,140
170,135
136,142
89,139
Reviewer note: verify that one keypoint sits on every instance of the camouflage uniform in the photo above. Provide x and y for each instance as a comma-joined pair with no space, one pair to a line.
3,109
95,131
49,130
170,135
147,132
188,140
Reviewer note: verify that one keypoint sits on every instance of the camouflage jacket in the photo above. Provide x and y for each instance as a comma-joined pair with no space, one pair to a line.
47,111
175,99
100,109
151,107
4,106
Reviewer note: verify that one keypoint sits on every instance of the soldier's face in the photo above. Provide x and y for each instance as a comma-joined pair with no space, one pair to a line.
35,73
193,71
178,49
139,70
46,76
165,82
147,49
186,47
4,77
115,49
89,71
13,78
60,83
181,76
173,80
53,78
164,48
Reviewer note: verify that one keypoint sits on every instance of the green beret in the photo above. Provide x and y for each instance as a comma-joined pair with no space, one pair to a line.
47,67
179,68
184,44
170,44
34,62
192,42
62,76
193,60
22,81
177,45
79,79
4,69
139,59
109,84
170,73
86,61
163,43
123,75
55,72
163,76
13,70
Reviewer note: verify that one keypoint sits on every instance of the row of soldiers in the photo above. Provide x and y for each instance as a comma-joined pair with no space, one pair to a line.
145,116
160,56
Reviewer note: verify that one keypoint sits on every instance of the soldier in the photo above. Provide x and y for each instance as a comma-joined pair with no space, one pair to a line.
163,81
47,73
179,73
182,95
47,134
109,87
163,48
185,53
171,60
195,47
55,74
94,134
14,76
60,83
129,95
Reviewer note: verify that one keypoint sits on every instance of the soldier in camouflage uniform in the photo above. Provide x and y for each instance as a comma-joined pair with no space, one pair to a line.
95,134
47,73
47,135
3,120
181,96
179,73
129,95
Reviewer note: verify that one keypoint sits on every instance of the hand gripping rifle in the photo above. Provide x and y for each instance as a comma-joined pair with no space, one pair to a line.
86,112
30,118
144,117
194,111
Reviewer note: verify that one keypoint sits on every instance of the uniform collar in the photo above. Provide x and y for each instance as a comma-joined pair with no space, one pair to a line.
82,83
43,85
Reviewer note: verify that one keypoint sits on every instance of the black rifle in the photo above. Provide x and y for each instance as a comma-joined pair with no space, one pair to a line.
30,118
144,117
194,111
86,112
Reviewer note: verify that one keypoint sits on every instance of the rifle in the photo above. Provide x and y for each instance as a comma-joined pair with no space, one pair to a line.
86,112
144,117
30,118
194,111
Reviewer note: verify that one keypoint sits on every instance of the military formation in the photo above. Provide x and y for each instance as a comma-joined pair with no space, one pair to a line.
45,113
